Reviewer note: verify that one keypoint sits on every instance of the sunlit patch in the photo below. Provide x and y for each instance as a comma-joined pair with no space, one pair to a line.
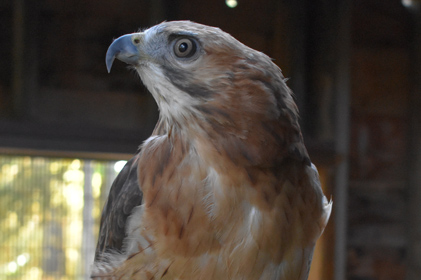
72,254
73,176
34,221
74,196
14,169
119,165
12,267
8,172
12,219
54,167
35,273
35,207
22,259
27,161
96,184
75,164
231,3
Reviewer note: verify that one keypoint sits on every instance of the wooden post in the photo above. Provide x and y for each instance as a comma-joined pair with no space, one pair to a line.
342,135
321,77
414,155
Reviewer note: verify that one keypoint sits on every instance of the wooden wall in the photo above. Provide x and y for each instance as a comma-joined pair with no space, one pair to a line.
380,67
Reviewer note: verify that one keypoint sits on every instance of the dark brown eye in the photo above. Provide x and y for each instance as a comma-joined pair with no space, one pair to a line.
184,47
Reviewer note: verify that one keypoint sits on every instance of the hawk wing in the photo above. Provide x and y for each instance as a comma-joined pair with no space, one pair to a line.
125,194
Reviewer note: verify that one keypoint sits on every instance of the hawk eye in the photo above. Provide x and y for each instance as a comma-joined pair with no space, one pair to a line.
185,47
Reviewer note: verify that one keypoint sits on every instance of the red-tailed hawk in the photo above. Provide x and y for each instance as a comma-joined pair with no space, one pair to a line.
224,187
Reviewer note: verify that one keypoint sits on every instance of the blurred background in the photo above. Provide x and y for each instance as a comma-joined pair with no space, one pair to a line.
67,127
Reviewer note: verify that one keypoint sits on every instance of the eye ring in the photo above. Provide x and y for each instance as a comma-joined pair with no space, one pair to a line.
185,47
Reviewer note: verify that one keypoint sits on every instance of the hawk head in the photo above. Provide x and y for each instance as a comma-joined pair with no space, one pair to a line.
204,78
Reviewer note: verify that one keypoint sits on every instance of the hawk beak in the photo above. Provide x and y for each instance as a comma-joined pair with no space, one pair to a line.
123,49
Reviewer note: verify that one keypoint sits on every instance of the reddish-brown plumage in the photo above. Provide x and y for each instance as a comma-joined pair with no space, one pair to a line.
229,191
